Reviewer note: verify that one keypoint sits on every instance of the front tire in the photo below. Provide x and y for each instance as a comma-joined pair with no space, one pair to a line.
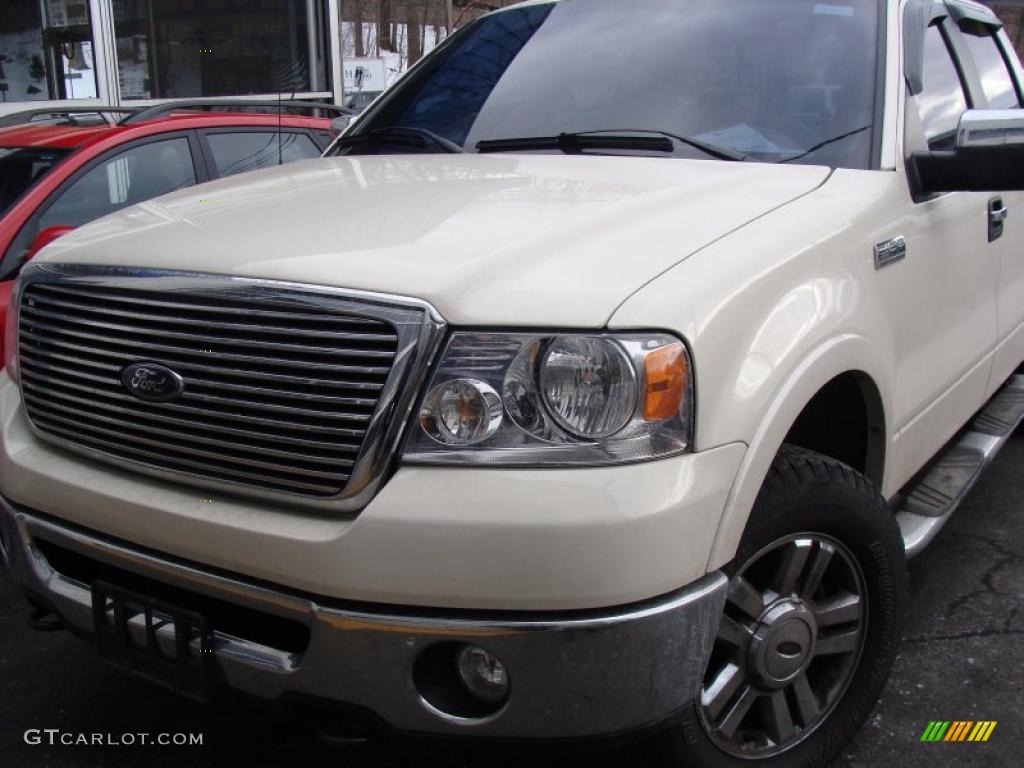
811,627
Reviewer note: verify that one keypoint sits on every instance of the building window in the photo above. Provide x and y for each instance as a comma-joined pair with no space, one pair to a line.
46,51
190,48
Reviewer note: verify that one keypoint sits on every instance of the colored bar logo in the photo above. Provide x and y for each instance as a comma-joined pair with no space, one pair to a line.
958,730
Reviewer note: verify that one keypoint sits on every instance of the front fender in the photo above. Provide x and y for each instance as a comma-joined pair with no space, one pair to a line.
839,354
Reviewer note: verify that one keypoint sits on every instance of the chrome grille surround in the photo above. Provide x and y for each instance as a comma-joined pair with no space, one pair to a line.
72,351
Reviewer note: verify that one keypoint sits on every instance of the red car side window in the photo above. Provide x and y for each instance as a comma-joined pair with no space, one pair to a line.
130,177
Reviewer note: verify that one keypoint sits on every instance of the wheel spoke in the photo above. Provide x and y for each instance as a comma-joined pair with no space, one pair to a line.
737,712
806,701
743,596
838,643
720,691
735,634
841,609
780,720
794,558
819,564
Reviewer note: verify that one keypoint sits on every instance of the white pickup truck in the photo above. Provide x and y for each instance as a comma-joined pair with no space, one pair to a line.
546,406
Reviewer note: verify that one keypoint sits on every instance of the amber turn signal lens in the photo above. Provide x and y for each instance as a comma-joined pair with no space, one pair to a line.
664,382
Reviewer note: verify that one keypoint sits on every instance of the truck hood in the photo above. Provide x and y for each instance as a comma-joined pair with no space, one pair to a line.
512,239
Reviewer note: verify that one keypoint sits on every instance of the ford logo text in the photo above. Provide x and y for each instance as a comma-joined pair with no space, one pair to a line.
152,382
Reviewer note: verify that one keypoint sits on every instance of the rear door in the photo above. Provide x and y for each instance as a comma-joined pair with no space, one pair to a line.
231,151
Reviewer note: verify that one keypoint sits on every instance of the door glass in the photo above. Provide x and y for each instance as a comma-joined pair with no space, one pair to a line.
995,77
46,50
250,150
131,177
189,48
942,102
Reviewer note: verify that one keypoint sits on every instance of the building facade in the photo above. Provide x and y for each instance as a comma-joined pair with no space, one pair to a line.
83,53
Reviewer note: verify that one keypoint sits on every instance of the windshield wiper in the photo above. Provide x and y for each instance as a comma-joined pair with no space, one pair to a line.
611,139
826,143
400,135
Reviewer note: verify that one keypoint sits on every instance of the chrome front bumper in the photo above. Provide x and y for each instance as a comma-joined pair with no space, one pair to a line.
574,675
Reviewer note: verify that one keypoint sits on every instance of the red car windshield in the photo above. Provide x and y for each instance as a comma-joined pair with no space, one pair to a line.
21,168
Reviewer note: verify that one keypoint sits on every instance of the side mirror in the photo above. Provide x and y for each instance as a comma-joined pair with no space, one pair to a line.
45,237
338,126
989,156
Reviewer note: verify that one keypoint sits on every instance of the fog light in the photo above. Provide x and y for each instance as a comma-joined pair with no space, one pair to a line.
483,675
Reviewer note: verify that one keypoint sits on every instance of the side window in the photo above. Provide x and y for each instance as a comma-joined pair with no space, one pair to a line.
133,176
942,102
996,81
251,150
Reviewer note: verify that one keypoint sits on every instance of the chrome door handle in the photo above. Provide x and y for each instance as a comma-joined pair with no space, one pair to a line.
998,213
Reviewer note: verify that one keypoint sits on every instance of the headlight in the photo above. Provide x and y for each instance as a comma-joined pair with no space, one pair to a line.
589,386
543,400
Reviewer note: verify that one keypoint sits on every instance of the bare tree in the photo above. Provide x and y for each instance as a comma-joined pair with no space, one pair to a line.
385,32
358,19
414,32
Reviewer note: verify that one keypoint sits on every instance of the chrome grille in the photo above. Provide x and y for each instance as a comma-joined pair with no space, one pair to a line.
283,388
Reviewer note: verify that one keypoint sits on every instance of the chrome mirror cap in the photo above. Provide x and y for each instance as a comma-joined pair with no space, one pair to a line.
991,128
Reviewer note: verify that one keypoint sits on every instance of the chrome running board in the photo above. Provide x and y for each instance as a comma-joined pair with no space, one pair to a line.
930,503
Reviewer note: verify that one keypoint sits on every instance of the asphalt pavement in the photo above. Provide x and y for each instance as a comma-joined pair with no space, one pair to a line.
962,659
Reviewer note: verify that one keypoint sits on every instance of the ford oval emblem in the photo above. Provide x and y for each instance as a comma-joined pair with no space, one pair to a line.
152,382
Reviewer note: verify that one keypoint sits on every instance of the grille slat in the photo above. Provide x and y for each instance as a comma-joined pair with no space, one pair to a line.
279,393
337,457
187,397
90,395
147,346
223,306
83,355
67,309
159,459
87,424
209,339
74,403
208,383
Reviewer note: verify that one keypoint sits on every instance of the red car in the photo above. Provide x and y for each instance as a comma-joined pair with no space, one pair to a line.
57,174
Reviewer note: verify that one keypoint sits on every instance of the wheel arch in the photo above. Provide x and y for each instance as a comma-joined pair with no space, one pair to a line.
843,372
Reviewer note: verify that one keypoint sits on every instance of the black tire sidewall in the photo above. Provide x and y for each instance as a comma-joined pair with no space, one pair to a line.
811,494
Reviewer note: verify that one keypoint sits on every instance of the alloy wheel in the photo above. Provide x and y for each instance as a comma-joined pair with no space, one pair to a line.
787,646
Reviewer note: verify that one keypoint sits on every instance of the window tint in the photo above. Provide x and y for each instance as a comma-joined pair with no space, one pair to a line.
995,77
131,177
250,150
942,102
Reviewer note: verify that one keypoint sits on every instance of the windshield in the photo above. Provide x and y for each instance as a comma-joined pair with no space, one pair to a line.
780,81
21,168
